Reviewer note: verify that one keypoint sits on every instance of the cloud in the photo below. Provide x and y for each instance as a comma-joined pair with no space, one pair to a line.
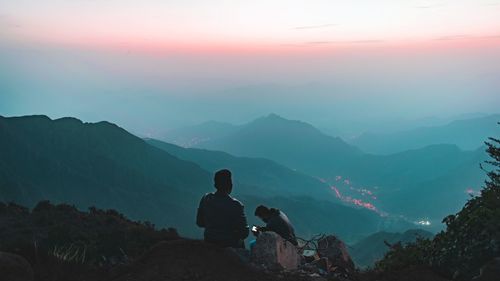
430,6
490,37
364,41
466,36
453,37
371,41
491,4
316,26
319,42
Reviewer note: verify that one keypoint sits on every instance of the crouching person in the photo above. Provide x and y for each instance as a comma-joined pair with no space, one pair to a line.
276,245
276,221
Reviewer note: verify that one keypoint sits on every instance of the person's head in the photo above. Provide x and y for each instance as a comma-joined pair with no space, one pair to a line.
223,182
263,212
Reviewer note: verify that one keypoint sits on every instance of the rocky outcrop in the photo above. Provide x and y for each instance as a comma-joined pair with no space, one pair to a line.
336,251
14,268
332,260
273,252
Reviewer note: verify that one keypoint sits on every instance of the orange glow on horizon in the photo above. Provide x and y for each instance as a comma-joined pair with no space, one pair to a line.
242,27
142,45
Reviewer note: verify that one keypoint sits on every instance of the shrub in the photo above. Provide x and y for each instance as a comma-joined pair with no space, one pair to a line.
471,238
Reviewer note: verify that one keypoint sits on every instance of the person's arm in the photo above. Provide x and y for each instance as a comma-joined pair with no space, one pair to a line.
241,224
272,225
263,228
200,215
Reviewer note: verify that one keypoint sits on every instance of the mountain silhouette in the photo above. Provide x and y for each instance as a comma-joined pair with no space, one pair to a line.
263,176
297,145
468,134
101,164
372,248
197,134
406,182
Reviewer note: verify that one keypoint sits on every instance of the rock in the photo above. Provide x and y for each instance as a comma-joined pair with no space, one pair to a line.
322,264
15,268
335,250
274,252
489,271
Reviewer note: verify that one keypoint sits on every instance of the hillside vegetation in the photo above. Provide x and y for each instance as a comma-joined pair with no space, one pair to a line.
471,238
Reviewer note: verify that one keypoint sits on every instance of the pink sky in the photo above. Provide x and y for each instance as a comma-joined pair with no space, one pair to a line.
240,26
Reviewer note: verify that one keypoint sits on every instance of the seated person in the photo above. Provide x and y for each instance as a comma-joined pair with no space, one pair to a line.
221,215
276,221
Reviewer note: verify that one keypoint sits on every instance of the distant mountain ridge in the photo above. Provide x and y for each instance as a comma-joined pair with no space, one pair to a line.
392,182
296,144
194,135
372,248
262,174
259,178
468,134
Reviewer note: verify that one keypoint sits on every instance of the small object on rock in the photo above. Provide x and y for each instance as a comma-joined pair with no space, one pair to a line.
274,252
15,268
310,255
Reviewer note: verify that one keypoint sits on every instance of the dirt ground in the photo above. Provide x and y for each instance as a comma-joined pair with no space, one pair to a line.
195,260
192,260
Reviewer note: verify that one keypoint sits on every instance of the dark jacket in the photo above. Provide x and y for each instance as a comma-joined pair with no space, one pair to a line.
279,223
223,219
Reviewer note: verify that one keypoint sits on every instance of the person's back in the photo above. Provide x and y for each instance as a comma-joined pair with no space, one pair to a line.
221,215
278,222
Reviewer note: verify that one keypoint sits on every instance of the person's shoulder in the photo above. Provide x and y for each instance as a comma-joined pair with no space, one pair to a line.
276,212
207,196
236,202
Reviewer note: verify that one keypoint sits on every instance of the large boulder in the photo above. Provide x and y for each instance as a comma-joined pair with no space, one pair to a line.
14,268
335,251
273,252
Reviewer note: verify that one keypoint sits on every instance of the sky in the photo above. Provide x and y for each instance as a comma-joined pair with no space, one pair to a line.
344,66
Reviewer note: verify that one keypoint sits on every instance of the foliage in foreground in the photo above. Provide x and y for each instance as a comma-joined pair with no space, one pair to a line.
97,237
471,238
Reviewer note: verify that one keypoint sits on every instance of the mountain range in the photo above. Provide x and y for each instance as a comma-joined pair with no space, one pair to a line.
323,183
372,248
263,176
102,165
400,183
468,134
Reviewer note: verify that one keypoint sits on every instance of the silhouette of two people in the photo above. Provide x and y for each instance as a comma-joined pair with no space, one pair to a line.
224,219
